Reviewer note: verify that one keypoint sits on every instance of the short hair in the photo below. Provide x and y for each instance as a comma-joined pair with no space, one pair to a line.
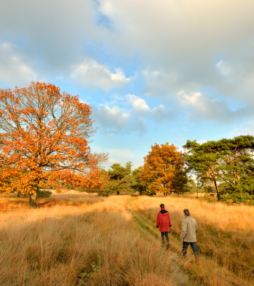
162,206
186,211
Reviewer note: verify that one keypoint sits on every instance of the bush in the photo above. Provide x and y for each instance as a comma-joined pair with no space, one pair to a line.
245,198
69,187
44,194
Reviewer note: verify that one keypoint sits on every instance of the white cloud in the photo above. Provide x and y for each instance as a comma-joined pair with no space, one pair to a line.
181,31
118,120
158,113
194,99
13,69
159,82
54,35
91,74
178,42
111,116
206,107
223,69
138,103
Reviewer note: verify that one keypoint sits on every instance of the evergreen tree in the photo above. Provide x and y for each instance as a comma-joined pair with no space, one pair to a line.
227,162
136,175
121,179
118,172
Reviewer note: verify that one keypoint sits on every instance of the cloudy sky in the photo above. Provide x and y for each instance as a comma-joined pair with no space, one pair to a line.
153,71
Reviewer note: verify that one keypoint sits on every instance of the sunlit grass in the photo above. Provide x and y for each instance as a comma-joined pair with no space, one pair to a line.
80,239
225,232
92,244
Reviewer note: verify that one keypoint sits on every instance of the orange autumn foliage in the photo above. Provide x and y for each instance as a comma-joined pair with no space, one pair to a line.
44,140
163,169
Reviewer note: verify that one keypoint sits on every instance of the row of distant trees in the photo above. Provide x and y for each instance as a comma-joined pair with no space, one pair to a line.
44,143
224,167
162,172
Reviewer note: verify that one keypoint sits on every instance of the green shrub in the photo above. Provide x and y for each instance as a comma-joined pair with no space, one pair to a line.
244,198
44,194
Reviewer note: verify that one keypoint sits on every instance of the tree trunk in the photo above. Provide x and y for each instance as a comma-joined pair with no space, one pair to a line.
33,200
216,188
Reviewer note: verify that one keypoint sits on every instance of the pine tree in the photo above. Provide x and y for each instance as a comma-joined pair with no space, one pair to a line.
228,163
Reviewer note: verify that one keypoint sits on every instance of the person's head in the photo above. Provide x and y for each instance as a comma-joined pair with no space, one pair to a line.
162,206
186,212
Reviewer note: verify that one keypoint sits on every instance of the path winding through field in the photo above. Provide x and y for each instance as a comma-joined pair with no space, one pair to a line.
192,274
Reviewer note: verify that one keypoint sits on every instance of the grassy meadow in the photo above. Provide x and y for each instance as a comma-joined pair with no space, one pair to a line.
79,239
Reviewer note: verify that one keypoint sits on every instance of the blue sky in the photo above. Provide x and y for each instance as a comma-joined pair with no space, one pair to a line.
153,71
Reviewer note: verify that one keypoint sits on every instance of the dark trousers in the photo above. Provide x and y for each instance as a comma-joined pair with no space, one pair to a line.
162,236
193,246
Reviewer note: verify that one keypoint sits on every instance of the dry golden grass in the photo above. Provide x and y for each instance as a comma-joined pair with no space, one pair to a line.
72,197
80,239
225,235
90,244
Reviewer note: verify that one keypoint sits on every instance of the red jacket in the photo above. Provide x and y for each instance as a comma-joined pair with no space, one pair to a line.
163,221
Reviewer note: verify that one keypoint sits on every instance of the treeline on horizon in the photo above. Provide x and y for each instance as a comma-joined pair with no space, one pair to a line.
224,167
44,143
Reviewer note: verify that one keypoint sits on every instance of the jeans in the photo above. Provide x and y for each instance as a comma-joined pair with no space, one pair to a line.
162,236
193,246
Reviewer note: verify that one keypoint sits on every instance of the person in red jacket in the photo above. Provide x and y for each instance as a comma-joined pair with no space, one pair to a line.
164,223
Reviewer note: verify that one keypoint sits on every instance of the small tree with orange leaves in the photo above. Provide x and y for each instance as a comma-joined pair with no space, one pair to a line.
44,141
164,169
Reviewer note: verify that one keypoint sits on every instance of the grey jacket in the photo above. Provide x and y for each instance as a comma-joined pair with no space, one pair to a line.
189,229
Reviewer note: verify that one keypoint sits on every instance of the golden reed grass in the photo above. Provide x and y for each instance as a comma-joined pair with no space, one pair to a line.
225,236
93,243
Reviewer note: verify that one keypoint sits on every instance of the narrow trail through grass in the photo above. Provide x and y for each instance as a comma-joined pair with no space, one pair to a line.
147,230
94,241
194,274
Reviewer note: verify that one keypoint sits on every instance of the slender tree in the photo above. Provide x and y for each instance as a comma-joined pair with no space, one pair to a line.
44,141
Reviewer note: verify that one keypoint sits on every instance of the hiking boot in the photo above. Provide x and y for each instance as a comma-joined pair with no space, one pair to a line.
168,245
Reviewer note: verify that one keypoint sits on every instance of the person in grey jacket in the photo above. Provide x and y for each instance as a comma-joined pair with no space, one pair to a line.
188,234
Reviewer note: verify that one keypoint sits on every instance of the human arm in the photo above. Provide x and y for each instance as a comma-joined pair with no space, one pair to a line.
184,230
169,221
158,220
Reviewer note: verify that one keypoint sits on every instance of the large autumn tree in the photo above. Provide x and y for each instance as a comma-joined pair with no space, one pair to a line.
44,141
164,169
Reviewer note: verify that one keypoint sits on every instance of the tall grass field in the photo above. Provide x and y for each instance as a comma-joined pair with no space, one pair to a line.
77,239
